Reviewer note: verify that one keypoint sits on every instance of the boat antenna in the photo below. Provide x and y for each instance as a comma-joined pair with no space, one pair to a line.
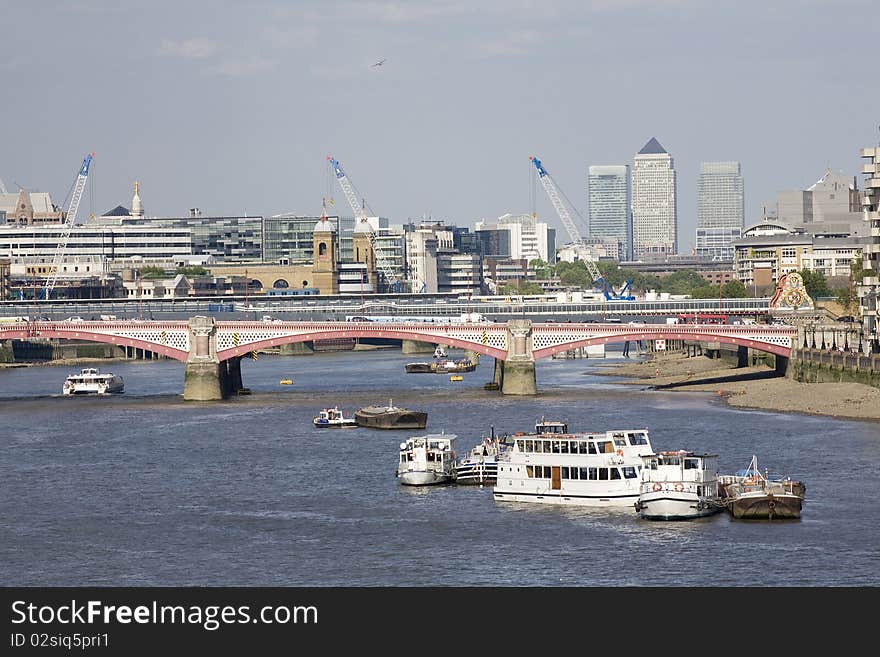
492,429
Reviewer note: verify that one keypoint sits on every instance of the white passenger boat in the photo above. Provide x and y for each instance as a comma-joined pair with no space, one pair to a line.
678,485
553,466
426,460
90,381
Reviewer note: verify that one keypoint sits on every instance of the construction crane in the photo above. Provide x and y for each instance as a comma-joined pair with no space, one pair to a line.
598,279
78,187
360,217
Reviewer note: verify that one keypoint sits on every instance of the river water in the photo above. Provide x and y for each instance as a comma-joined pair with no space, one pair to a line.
143,489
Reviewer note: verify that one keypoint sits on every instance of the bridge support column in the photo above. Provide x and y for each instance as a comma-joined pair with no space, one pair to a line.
782,365
416,347
742,356
518,370
230,376
202,380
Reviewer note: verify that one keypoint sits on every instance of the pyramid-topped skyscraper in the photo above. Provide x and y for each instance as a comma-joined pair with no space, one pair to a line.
654,204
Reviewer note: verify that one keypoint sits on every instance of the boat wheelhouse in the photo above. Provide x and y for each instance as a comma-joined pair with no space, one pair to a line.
678,485
427,460
553,466
91,381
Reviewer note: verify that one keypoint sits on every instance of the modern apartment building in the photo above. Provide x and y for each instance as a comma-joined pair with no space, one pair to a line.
529,239
720,209
609,202
654,203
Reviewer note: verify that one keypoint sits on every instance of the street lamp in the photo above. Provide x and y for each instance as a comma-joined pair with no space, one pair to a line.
813,332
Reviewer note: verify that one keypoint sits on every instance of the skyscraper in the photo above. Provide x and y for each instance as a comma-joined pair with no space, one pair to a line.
608,196
720,210
654,208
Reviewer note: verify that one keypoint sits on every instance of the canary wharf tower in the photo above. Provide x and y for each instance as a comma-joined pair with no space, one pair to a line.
654,208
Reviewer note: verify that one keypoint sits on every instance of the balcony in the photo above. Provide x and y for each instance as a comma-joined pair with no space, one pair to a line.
869,152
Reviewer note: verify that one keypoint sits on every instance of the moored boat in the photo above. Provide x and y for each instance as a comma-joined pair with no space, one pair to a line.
91,381
553,466
442,366
427,460
480,466
678,485
329,418
750,495
390,417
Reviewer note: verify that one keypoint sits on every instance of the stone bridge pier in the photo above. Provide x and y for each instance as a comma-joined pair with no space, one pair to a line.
516,374
206,378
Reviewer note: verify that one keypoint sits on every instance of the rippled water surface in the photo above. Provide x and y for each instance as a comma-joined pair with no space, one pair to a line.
145,489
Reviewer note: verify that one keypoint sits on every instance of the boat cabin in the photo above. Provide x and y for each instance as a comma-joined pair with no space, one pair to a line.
611,442
543,427
680,465
432,449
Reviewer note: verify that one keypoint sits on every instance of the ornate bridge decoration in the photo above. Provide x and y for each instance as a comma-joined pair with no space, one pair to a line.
202,338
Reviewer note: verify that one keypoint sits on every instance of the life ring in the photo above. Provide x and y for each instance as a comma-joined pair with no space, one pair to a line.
656,487
620,452
771,505
679,488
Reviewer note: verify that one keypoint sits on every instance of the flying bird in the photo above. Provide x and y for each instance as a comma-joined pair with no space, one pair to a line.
379,63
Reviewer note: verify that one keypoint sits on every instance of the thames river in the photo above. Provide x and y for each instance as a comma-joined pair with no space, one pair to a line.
144,489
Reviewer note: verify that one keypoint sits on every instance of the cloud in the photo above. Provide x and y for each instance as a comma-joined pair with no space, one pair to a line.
198,48
243,67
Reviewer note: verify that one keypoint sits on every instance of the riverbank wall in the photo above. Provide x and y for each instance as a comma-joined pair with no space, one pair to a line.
826,366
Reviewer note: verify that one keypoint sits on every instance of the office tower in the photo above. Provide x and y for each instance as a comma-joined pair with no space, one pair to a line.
720,209
608,198
654,210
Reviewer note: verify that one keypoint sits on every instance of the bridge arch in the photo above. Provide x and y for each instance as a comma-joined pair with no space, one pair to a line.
92,336
378,332
643,334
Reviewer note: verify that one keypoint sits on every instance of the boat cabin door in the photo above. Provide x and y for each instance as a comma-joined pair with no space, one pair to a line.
555,478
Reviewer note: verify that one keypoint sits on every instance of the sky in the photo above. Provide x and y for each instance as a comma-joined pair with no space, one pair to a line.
233,107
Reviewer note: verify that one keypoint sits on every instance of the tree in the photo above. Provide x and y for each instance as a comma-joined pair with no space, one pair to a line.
815,283
542,269
734,290
848,296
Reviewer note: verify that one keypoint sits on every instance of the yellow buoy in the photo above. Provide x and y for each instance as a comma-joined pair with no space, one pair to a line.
286,382
456,377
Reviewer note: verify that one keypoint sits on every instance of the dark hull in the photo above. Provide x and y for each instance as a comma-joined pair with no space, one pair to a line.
419,368
396,419
768,507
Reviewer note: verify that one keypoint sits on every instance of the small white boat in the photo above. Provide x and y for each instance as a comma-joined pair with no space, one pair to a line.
90,381
678,485
427,460
333,418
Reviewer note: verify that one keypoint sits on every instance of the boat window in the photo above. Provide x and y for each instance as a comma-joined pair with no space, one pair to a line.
530,472
564,473
617,436
592,447
603,473
520,445
530,445
563,447
639,438
594,474
584,473
691,464
619,442
605,447
671,460
574,474
547,472
629,472
582,447
554,447
615,473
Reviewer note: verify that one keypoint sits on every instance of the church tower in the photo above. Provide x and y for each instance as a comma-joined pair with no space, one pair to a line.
363,252
326,253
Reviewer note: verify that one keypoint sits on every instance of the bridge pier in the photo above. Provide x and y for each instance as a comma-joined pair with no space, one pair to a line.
230,376
518,370
202,378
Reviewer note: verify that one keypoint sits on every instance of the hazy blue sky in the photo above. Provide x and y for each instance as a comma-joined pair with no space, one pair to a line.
233,106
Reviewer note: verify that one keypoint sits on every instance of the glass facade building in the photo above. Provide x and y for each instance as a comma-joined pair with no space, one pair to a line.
654,203
720,209
608,198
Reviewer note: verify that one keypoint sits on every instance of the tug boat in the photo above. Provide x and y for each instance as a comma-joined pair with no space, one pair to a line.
553,466
329,418
427,460
678,485
90,381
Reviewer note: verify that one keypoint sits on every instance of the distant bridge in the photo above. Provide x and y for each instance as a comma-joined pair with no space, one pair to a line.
208,346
